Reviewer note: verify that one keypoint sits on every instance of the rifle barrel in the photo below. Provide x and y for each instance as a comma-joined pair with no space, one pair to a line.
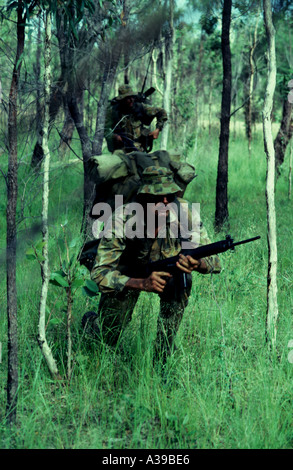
246,241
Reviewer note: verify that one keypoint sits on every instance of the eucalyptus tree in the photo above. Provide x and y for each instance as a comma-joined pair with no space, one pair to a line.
168,67
23,11
283,21
222,213
45,272
272,302
250,85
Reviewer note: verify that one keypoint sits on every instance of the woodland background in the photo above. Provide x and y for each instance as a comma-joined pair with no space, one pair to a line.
229,385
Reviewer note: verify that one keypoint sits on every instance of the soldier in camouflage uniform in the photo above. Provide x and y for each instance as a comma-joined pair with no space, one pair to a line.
125,121
118,262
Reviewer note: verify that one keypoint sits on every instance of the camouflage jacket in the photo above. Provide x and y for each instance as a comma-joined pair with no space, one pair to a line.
120,257
131,125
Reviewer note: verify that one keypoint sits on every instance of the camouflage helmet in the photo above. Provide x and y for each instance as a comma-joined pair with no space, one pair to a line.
158,181
124,91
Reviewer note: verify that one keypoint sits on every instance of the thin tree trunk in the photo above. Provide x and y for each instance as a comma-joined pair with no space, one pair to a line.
284,135
112,60
12,189
56,99
37,154
66,134
169,42
86,147
248,108
57,92
176,85
210,106
111,65
155,54
125,17
198,80
272,303
222,215
42,340
198,88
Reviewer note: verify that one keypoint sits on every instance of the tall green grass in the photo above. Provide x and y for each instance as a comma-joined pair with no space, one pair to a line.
221,389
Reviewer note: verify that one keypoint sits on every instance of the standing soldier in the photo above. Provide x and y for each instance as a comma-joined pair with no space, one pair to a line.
125,120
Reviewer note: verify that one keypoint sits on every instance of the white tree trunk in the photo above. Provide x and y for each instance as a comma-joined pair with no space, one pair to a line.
45,348
155,78
251,82
169,43
272,303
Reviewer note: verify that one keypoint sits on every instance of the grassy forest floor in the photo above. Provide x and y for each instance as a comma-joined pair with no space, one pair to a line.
221,389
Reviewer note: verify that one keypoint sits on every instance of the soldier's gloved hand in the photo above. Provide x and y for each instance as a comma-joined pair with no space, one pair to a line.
155,134
156,282
189,264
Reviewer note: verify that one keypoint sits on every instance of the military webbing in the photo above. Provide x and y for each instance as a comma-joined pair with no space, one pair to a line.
133,165
155,160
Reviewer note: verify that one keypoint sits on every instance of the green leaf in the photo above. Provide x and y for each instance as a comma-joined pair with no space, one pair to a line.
58,280
40,245
55,321
30,254
54,273
92,286
88,292
73,242
78,283
30,257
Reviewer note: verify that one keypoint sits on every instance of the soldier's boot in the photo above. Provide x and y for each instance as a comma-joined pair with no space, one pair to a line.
169,320
90,324
163,349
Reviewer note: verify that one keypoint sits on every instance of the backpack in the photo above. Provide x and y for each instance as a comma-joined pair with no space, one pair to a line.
121,173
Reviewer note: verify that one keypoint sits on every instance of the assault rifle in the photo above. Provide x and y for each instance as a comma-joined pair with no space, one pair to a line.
169,264
179,282
142,96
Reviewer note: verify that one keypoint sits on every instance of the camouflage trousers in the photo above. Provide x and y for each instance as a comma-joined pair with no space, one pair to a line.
115,312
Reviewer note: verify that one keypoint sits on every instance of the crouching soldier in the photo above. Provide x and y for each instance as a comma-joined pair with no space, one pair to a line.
121,259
